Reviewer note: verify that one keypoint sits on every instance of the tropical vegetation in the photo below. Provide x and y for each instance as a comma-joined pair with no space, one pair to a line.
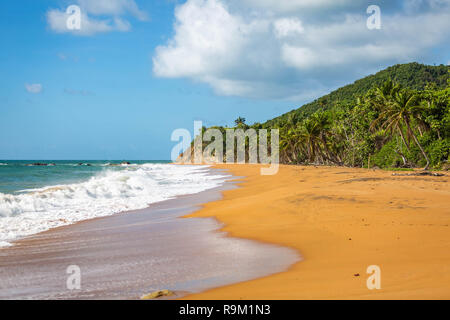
397,118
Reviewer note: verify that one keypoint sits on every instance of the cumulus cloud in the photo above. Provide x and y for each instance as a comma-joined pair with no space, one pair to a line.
402,39
113,8
57,21
412,6
252,51
289,6
97,16
208,42
286,27
206,38
33,88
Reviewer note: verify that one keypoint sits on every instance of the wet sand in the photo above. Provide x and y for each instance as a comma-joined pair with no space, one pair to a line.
342,220
127,255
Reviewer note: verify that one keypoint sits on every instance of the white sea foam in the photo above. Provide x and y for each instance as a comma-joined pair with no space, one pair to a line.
3,164
109,192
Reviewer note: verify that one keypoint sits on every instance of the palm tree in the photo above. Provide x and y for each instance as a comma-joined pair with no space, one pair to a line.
240,121
387,90
384,96
408,103
323,123
289,140
309,136
399,108
287,145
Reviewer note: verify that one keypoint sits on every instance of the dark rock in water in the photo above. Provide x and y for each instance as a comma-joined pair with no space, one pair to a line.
40,164
85,164
119,164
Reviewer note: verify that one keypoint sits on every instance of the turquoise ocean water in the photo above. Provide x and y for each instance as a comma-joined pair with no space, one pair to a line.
35,198
18,176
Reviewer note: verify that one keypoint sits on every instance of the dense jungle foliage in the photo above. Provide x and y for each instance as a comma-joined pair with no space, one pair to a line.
397,118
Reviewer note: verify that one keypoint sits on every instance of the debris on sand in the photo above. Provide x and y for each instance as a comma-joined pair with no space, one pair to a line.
419,174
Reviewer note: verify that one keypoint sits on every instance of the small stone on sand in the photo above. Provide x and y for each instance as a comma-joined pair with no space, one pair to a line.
157,294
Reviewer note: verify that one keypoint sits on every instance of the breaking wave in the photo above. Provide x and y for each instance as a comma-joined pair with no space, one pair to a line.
107,193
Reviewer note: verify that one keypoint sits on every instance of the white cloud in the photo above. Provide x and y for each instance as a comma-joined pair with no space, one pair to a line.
289,5
112,8
57,20
286,27
304,58
207,38
33,88
210,43
412,6
402,39
256,53
109,18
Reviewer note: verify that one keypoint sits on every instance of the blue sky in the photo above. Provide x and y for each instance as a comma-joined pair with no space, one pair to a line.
141,69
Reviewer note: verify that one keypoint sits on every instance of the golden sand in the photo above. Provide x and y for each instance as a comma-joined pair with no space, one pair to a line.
341,221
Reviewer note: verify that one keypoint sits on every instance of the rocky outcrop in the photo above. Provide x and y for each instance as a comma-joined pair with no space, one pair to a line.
186,158
40,164
85,164
123,163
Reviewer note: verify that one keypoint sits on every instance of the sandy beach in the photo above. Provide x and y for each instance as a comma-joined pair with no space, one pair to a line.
338,220
341,220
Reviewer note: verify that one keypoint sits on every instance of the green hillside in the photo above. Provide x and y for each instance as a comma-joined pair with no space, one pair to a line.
413,76
398,118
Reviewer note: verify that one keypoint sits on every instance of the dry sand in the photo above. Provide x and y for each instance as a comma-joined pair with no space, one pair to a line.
341,220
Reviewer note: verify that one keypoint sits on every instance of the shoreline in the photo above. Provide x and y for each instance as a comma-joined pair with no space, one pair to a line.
130,254
341,220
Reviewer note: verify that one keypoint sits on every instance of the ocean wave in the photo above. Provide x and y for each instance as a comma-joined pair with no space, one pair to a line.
106,193
3,164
